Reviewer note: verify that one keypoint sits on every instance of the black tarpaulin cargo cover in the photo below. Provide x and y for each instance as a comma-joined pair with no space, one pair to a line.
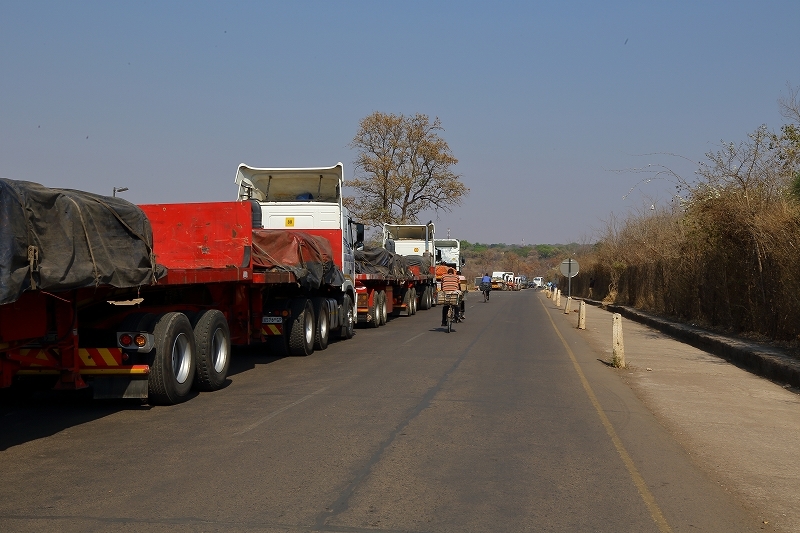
381,261
62,239
309,257
424,262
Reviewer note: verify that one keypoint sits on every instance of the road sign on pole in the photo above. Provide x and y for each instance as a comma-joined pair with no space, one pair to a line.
569,267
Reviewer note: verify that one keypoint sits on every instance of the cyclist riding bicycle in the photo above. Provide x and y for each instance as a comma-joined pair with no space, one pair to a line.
450,283
486,285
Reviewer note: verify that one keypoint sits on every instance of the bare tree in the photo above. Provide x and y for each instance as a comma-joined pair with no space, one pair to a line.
788,141
403,167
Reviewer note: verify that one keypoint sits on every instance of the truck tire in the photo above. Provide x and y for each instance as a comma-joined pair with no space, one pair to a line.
382,318
322,328
425,301
412,302
212,339
172,370
408,299
301,337
373,318
348,316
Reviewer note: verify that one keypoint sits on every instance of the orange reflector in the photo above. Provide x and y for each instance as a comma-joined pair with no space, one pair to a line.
140,340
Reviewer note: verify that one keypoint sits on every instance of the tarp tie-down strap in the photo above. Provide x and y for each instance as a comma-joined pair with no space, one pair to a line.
260,250
33,263
88,242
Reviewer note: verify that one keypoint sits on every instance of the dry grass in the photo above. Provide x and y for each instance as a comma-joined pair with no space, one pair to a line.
726,258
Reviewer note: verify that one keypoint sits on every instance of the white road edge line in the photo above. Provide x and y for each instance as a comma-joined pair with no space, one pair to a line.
279,411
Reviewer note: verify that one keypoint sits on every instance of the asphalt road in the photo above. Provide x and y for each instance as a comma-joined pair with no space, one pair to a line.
510,423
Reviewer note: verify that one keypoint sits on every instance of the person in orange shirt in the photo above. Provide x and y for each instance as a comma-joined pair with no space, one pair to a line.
450,283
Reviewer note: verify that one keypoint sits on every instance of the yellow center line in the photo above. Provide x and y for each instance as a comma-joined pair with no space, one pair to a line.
638,480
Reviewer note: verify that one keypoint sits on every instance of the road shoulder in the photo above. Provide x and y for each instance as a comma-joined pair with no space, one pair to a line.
740,428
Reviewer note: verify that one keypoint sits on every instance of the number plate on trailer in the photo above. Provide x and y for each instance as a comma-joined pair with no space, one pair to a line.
271,320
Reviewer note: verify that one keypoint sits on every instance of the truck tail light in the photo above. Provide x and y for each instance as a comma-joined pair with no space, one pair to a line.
141,342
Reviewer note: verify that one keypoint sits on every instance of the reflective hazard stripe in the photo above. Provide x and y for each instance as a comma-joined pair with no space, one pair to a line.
36,357
100,357
272,329
89,357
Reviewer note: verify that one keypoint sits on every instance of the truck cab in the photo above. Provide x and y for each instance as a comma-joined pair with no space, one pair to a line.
409,239
304,199
448,253
502,281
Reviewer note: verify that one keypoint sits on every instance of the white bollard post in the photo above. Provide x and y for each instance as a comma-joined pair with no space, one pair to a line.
618,346
568,305
582,315
558,297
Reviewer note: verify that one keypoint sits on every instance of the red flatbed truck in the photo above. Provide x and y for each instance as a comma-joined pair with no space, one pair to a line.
310,200
151,322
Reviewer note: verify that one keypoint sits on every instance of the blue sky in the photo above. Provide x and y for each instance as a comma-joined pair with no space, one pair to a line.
547,106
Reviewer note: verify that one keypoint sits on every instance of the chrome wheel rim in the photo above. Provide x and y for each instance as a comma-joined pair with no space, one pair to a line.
219,350
181,358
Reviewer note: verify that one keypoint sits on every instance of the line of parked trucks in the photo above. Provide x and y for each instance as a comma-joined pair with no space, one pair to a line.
507,281
146,301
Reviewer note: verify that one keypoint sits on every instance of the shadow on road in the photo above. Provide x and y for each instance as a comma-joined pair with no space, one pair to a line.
29,412
32,410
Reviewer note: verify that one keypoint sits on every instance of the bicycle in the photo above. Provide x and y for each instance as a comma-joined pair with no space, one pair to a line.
485,288
451,300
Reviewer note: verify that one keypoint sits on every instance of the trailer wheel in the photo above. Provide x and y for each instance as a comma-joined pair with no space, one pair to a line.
373,320
301,338
413,302
322,329
212,338
348,327
382,318
172,371
425,301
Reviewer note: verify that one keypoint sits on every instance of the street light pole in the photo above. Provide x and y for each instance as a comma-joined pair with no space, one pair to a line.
118,189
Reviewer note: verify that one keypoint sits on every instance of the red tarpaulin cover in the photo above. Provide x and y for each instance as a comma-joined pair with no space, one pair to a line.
309,257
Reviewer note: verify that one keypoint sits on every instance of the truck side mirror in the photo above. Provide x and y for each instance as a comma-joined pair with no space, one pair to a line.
359,236
463,261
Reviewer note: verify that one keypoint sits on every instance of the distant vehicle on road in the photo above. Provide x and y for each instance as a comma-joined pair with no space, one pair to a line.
538,282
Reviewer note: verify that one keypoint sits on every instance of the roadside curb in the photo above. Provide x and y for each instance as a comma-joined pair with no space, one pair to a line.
761,360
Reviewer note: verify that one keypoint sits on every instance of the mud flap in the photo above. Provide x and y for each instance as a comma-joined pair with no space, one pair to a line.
119,387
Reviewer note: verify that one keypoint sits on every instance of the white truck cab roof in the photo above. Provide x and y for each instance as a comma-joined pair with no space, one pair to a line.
318,184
